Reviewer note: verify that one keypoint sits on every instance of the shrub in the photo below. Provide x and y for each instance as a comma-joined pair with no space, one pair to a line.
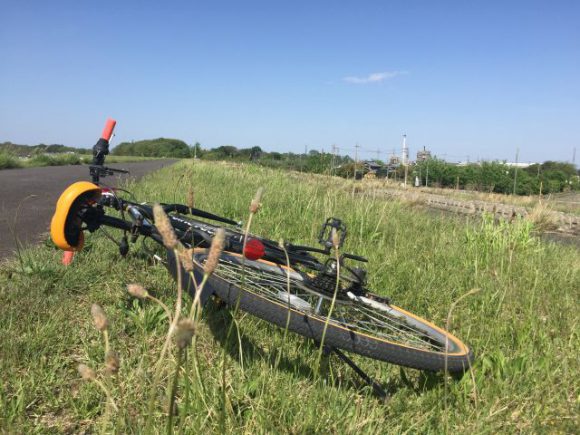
8,161
54,160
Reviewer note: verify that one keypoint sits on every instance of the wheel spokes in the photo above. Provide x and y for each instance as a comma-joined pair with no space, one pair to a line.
273,285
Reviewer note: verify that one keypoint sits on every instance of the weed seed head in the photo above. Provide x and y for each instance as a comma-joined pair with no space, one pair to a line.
112,362
184,333
256,203
164,227
86,372
99,317
190,197
334,238
186,258
217,246
137,291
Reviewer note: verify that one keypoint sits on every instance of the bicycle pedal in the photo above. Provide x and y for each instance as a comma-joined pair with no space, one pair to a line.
325,234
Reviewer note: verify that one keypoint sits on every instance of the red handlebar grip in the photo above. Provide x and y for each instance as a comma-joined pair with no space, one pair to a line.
108,130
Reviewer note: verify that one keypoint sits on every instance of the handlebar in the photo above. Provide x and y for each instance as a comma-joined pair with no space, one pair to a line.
101,148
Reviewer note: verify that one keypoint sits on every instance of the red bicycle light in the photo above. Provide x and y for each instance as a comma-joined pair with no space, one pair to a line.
254,249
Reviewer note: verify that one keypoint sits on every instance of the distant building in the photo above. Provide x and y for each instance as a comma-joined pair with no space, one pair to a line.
405,153
370,165
394,160
423,155
509,164
519,164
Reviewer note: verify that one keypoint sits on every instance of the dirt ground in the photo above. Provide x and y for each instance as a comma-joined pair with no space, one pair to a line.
28,197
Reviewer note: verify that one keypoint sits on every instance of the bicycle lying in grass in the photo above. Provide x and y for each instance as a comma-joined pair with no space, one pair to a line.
285,284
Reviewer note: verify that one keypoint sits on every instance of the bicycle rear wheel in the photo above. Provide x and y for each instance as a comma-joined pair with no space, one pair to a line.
366,325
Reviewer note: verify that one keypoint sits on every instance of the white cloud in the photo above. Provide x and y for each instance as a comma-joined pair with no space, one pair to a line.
372,78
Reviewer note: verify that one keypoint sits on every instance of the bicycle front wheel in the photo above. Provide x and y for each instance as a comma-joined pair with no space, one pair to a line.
366,325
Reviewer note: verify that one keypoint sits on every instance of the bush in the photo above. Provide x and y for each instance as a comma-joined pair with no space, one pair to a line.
160,147
8,161
55,160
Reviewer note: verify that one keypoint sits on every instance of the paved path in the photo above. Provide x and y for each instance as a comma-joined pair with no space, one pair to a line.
28,197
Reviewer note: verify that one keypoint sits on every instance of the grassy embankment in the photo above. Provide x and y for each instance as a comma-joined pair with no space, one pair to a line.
522,324
566,202
9,161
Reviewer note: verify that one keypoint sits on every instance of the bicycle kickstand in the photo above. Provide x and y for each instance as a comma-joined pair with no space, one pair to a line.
379,391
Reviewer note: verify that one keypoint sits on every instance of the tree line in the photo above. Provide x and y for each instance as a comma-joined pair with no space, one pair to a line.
498,177
313,161
34,150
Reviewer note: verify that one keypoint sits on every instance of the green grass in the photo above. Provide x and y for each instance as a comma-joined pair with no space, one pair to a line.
522,324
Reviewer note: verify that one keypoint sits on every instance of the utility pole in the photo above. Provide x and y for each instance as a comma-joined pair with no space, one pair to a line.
332,160
574,157
516,170
356,147
405,157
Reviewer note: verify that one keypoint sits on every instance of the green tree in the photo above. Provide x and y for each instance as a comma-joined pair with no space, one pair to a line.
160,147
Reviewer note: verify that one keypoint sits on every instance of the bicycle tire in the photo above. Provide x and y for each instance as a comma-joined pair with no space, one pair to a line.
428,347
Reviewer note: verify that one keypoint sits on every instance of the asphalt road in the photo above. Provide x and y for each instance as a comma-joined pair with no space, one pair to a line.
28,197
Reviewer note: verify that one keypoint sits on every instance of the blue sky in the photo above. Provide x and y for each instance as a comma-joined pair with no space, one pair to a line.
463,78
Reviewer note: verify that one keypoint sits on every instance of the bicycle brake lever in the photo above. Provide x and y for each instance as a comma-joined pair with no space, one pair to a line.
97,171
